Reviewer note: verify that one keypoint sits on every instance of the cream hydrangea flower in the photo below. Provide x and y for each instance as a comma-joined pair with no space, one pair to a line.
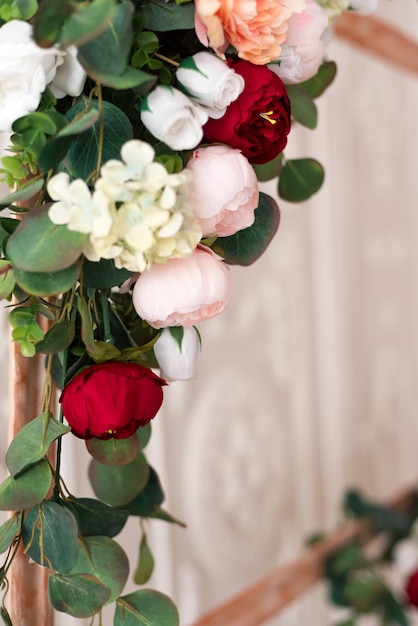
334,7
137,215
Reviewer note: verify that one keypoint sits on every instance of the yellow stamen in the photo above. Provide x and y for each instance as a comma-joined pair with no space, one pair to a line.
110,431
266,116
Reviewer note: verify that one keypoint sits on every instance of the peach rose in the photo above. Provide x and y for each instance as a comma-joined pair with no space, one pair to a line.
256,28
183,292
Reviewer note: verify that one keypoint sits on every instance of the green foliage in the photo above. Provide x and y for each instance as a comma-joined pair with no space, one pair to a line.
119,484
300,179
50,536
45,284
145,565
96,517
304,110
160,16
17,9
8,531
79,595
104,559
58,337
145,606
114,451
269,170
83,155
7,281
247,245
103,274
27,490
315,86
32,443
36,235
88,22
25,192
26,329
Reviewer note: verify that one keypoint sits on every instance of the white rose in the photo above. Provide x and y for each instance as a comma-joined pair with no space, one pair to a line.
173,118
70,77
210,81
25,71
178,363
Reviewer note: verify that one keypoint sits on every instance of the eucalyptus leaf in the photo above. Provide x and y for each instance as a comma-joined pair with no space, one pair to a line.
104,559
130,78
300,179
247,245
25,192
394,610
97,518
81,595
49,21
109,51
118,484
161,16
30,488
315,86
50,536
32,442
270,170
8,531
39,245
88,22
44,284
145,607
82,157
304,109
145,565
114,451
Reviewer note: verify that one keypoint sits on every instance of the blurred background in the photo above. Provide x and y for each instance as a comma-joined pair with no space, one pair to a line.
308,382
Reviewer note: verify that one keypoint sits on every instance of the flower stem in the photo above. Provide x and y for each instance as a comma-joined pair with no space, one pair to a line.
108,337
166,59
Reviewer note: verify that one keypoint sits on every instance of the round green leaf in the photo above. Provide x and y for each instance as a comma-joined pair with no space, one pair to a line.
300,179
104,559
145,606
114,451
47,283
97,518
25,192
50,536
81,159
39,245
80,595
85,24
144,434
30,488
247,245
316,85
8,531
58,337
32,442
118,484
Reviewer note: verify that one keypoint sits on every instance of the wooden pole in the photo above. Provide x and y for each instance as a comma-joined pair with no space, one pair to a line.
28,601
269,595
378,38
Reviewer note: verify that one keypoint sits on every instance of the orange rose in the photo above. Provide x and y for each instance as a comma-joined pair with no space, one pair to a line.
256,28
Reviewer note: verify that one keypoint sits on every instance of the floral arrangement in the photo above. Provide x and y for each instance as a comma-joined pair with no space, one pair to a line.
139,132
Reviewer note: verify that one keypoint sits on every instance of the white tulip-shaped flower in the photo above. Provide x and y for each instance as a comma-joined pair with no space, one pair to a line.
173,118
178,362
208,79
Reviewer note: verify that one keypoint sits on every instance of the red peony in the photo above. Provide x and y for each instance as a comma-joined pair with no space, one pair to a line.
111,399
412,589
258,121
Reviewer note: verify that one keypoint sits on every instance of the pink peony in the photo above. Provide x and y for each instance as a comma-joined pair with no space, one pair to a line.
256,28
227,205
303,51
183,292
